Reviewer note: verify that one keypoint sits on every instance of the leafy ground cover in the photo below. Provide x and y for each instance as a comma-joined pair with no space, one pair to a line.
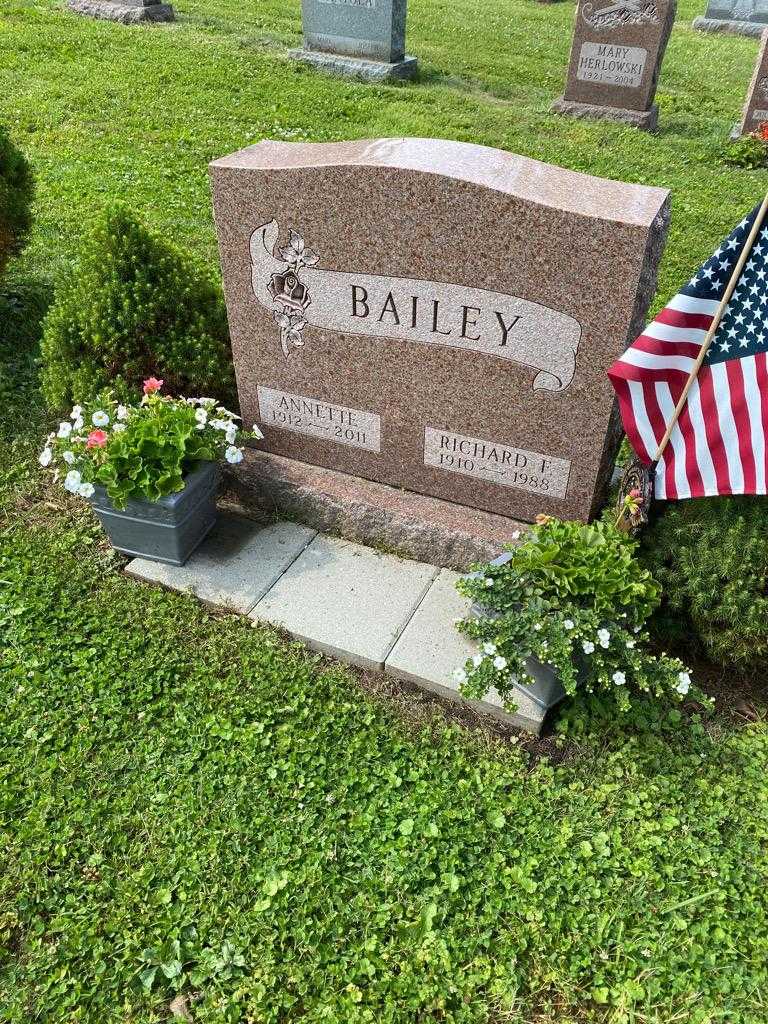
189,805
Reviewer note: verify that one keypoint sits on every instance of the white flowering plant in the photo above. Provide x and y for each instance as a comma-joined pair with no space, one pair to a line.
141,451
574,597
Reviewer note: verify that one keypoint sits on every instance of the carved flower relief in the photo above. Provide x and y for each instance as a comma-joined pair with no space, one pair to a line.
289,293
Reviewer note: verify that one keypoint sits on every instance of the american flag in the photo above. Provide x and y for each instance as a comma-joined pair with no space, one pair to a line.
719,443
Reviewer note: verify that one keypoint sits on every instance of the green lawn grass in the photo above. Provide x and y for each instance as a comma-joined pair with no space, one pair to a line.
178,788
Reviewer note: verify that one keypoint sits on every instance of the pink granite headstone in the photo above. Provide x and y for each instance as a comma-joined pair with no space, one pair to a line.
436,316
618,46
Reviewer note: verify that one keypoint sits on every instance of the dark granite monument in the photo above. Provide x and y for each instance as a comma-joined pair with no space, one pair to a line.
755,110
358,38
618,46
434,319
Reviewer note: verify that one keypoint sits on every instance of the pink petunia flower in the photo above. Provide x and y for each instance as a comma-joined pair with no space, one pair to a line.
152,384
97,439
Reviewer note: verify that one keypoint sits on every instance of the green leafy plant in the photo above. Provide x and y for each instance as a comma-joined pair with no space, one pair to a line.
574,597
140,451
132,305
711,557
749,151
16,190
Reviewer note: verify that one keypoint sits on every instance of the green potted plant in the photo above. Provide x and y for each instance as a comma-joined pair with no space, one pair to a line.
565,611
149,470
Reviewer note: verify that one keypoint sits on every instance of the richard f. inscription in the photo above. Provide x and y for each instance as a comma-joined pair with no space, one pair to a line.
435,316
495,462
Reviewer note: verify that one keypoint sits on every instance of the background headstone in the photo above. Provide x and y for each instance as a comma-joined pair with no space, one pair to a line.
128,12
756,105
435,316
618,46
743,17
360,38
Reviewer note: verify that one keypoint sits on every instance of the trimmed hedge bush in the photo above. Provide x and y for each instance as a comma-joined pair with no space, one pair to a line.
134,306
711,558
16,188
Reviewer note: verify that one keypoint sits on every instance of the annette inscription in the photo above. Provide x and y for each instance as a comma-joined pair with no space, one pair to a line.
285,411
496,463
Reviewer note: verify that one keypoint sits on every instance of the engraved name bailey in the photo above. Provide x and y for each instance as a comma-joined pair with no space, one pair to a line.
300,295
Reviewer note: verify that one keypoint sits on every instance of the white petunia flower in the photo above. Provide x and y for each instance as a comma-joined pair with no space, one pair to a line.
631,644
65,429
489,582
78,423
86,490
636,629
489,648
201,415
219,424
118,428
100,419
72,481
257,433
619,678
233,455
69,457
207,402
231,434
499,662
604,637
122,412
477,660
77,412
684,683
588,647
568,624
460,675
46,455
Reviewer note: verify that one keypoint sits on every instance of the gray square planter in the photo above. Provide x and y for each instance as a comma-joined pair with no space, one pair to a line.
167,530
546,691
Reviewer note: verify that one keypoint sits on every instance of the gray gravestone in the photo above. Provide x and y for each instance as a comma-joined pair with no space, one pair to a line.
744,17
359,38
618,46
128,12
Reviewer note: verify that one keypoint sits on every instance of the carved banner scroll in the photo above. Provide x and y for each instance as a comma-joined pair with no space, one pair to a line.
301,295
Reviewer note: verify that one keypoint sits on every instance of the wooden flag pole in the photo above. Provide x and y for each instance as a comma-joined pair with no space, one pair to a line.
713,327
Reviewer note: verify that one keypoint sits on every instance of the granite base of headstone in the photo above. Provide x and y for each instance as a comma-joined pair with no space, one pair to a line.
362,39
127,12
738,17
615,60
